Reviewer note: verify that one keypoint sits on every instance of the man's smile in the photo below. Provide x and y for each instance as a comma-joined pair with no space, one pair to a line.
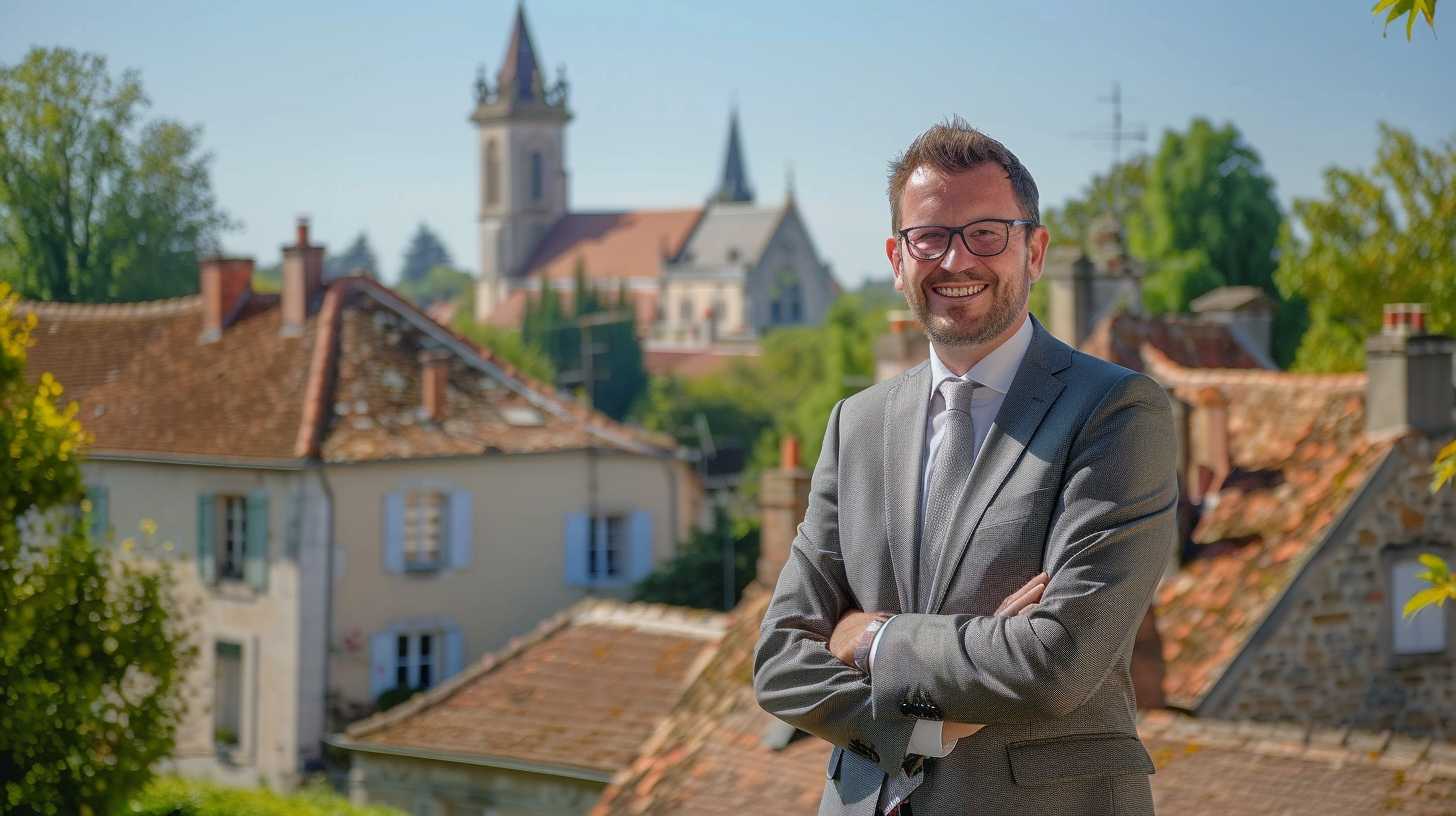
958,291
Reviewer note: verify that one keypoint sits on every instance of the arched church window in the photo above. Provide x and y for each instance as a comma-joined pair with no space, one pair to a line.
492,173
537,182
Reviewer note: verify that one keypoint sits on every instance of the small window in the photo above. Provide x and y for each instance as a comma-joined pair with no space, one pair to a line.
492,173
1424,633
417,660
424,529
227,709
605,555
232,544
537,177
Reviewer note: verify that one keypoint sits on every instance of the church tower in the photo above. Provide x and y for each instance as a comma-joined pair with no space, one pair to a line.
733,185
522,124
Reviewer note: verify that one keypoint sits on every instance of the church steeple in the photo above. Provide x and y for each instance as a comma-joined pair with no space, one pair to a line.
733,186
520,75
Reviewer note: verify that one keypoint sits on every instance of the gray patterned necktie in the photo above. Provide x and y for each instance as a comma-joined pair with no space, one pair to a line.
948,478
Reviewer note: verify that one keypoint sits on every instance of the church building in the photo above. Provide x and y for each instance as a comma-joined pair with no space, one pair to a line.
715,275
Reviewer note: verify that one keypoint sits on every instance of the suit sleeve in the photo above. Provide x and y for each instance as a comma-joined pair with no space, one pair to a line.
795,677
1107,547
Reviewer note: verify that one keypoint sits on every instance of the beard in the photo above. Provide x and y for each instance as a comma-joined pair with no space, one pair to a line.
1008,301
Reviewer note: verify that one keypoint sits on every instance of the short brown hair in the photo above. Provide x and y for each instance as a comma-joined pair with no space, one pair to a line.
954,146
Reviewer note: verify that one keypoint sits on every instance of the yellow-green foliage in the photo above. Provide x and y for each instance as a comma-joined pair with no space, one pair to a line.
171,796
90,659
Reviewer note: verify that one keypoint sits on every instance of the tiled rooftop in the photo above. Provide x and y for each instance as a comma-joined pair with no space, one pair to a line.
347,388
1188,341
583,691
1298,452
611,245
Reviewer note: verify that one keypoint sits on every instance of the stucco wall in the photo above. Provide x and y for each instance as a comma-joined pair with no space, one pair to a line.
516,575
423,787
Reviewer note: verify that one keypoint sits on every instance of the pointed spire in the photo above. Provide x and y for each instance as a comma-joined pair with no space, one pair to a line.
520,77
789,183
734,184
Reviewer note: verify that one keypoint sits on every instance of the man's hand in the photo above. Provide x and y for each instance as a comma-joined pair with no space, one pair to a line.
852,624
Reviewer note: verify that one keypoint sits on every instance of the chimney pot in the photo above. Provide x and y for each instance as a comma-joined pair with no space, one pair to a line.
1410,376
302,231
435,377
789,453
303,265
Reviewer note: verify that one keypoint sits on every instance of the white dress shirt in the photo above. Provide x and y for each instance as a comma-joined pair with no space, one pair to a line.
995,371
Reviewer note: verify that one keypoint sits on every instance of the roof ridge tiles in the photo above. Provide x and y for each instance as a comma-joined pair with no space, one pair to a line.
1165,368
134,309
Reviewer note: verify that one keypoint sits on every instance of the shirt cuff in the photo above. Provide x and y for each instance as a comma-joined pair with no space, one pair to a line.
925,739
875,644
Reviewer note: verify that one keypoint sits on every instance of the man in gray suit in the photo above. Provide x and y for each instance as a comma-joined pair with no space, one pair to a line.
983,535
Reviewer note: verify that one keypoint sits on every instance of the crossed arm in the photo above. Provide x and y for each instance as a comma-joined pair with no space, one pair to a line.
1106,549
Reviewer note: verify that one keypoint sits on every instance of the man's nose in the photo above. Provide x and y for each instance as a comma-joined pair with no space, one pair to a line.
958,254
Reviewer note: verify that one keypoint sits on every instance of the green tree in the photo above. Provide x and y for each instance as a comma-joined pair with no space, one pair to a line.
695,576
356,258
1385,235
91,656
1411,9
96,205
425,252
441,284
1071,223
507,346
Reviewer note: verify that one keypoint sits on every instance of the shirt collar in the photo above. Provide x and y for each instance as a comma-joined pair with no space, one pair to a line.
995,371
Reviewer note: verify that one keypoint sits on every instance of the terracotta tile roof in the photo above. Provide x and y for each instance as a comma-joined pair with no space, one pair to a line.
1212,768
347,388
612,245
710,757
1188,341
584,690
1299,453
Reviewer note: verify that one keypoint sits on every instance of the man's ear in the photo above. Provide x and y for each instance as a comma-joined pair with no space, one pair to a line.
1036,252
892,251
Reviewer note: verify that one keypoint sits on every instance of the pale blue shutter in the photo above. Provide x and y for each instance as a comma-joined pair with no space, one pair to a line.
206,535
100,525
460,529
255,546
382,661
454,652
393,545
639,534
578,538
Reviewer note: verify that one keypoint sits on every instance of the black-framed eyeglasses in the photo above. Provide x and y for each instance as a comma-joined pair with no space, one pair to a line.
986,237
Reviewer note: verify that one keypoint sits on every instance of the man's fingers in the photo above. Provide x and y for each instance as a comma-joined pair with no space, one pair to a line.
1027,610
1019,602
1036,584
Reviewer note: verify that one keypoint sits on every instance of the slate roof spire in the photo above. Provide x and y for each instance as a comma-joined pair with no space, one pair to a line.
520,77
733,186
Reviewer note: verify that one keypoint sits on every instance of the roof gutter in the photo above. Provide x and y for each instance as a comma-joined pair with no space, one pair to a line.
201,460
476,760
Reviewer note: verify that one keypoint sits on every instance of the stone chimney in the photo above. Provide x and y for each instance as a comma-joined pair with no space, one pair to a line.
303,273
783,498
1087,286
434,377
226,284
903,346
1209,459
1410,385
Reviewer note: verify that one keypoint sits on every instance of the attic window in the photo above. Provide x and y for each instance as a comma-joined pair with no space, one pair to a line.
522,416
1425,633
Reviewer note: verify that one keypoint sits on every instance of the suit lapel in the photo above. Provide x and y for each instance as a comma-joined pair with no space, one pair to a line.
1032,393
904,436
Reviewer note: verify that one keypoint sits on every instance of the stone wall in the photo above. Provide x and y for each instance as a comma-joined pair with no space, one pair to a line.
1325,656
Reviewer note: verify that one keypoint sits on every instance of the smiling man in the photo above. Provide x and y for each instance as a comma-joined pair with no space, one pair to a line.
983,536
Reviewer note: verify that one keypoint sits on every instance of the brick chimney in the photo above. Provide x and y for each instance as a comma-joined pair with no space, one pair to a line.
1410,383
303,273
434,378
783,498
225,284
903,346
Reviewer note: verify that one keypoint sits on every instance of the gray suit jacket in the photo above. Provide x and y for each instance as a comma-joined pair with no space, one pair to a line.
1076,477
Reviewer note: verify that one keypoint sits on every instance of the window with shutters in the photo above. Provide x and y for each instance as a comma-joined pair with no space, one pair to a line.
424,529
417,659
607,552
232,538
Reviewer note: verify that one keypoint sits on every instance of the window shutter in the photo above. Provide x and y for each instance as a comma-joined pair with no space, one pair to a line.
100,526
255,548
206,535
578,537
394,532
1426,631
453,652
460,529
381,662
639,533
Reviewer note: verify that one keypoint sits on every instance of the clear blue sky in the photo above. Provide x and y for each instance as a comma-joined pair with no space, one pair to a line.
355,113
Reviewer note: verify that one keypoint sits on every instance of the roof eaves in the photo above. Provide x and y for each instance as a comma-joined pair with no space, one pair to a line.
198,459
481,760
320,371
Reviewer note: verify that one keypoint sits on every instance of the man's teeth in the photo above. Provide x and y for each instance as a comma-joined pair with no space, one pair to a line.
958,291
